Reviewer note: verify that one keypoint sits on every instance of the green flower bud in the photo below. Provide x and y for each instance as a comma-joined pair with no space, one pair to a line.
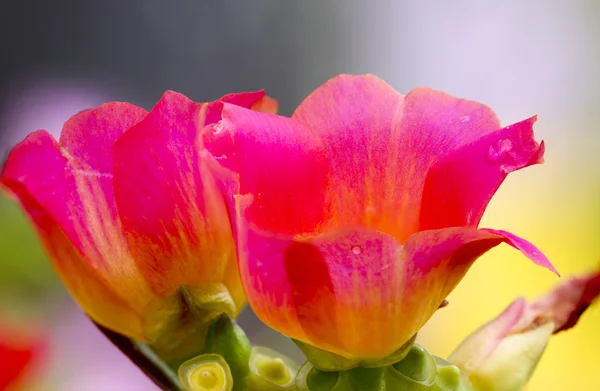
513,362
208,372
503,353
271,371
228,340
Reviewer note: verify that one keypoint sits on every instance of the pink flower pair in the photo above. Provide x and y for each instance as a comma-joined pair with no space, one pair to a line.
344,226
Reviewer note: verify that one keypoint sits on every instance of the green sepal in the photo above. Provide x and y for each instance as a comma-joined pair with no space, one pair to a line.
357,379
327,361
417,368
398,355
177,322
418,371
227,339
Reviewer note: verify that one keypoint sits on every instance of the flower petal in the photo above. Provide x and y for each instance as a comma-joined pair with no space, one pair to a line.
460,185
174,216
356,292
564,305
357,119
528,249
278,162
89,135
46,184
381,145
437,260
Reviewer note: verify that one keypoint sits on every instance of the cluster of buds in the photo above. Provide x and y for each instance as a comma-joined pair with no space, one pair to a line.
344,227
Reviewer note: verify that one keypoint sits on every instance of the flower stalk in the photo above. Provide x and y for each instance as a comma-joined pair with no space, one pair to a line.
145,359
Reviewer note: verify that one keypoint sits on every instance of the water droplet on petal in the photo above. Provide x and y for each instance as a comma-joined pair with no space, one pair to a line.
500,150
218,127
466,118
356,250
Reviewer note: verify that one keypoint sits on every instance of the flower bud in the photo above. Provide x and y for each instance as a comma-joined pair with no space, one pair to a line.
503,354
208,372
229,341
271,371
513,361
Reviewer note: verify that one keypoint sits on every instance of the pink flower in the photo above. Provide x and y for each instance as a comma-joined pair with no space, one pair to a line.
357,216
133,223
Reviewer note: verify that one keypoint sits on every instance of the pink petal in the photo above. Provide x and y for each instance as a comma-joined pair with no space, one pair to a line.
460,185
439,259
357,120
174,216
564,305
87,139
278,163
78,242
89,135
357,292
381,145
528,249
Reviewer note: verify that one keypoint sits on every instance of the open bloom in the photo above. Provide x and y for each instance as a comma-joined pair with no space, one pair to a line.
358,215
129,216
503,354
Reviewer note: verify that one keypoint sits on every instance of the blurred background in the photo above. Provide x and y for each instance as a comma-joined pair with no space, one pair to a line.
521,58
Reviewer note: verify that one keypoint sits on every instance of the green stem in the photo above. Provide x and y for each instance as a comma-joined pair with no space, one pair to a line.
145,359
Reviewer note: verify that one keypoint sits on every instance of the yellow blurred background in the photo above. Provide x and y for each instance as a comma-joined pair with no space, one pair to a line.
555,206
521,58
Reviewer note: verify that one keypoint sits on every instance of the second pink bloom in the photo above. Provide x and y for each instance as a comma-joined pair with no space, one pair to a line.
356,217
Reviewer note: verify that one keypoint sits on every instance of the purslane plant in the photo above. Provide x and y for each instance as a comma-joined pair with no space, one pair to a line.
356,217
345,227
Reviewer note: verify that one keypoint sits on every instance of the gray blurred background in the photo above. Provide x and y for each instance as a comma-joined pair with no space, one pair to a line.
521,58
